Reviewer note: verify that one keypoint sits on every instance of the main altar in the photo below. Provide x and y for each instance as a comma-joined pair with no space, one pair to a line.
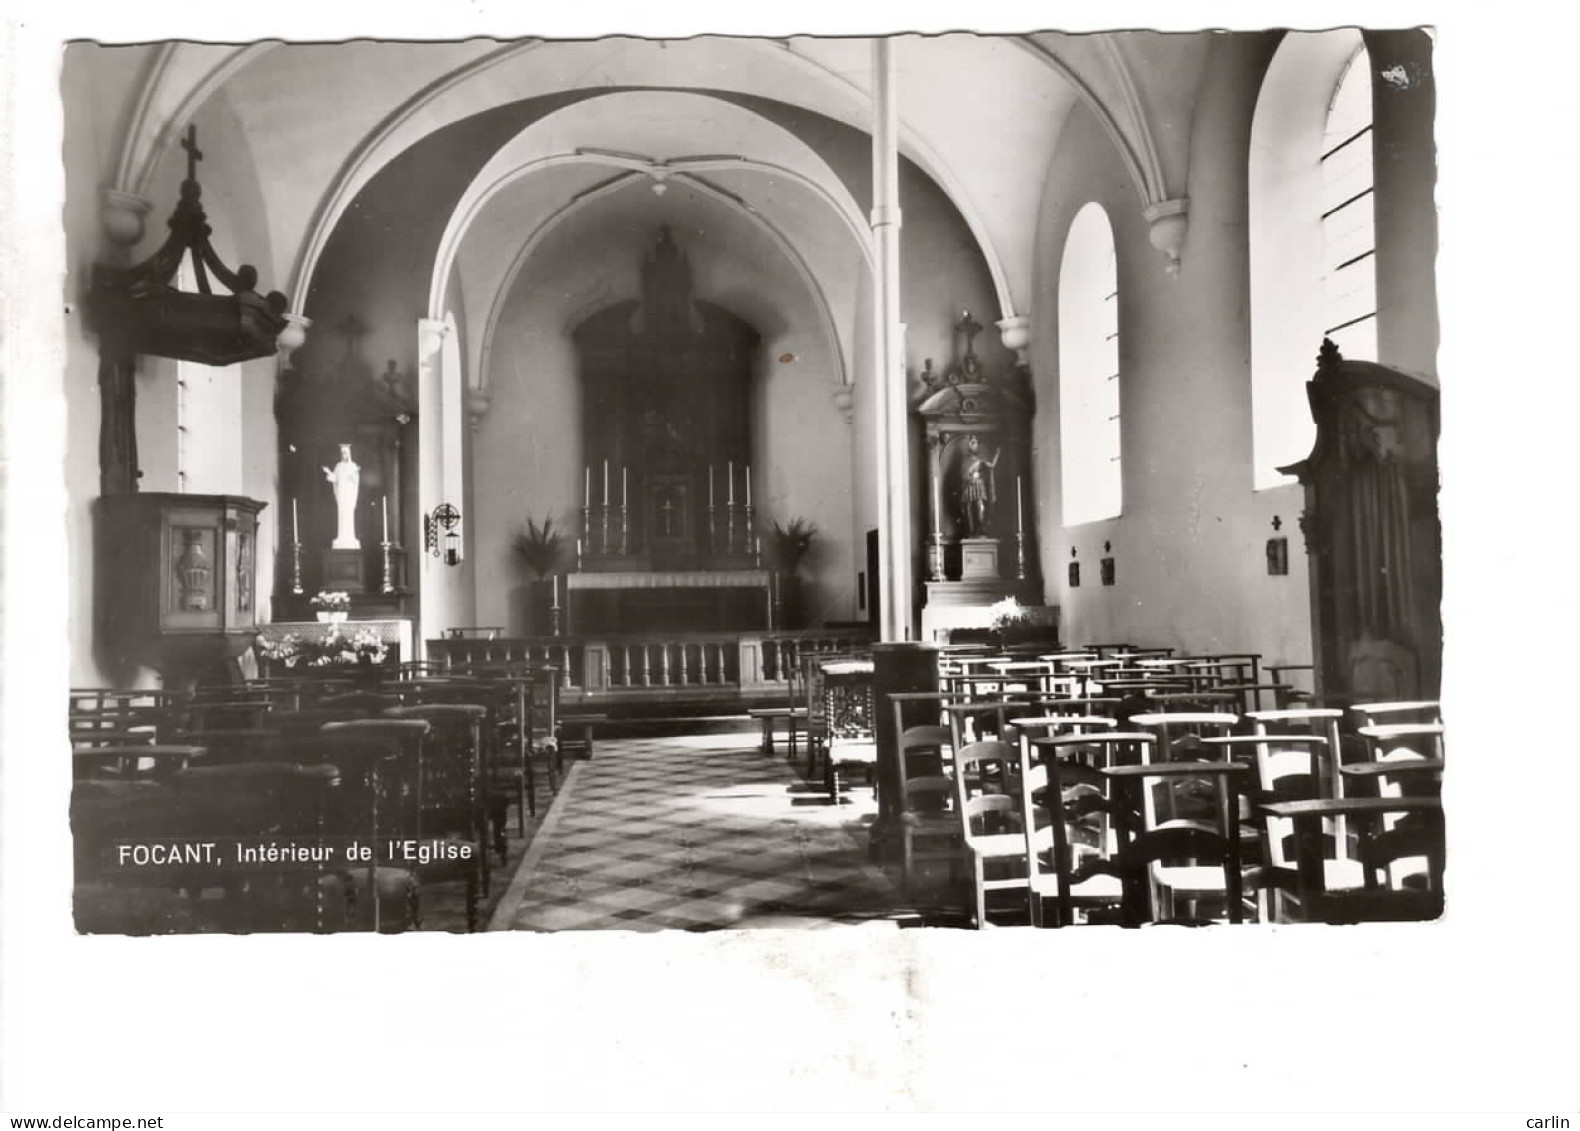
668,537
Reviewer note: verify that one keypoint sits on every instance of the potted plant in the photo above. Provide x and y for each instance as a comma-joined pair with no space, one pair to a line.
331,605
788,547
539,546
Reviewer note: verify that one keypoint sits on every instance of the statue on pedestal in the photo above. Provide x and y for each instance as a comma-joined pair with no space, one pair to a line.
977,496
345,476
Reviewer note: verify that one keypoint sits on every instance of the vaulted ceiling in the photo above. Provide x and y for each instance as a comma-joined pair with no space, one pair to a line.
742,130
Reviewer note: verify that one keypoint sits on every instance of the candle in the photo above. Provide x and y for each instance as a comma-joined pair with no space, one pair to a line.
587,486
624,494
710,484
386,502
296,526
1019,518
554,592
606,483
578,550
748,484
731,484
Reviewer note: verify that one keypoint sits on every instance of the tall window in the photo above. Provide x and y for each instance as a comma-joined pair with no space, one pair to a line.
1311,229
208,414
1089,371
1349,243
186,377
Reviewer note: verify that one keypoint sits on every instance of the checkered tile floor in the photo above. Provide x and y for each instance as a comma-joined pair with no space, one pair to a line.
698,833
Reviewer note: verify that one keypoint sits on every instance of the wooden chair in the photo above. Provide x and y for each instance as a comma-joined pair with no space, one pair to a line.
1380,848
373,764
1181,736
1059,796
929,827
1323,722
504,779
453,787
543,706
1406,759
1169,860
1410,740
989,821
430,791
849,738
1300,687
1289,767
120,715
1399,712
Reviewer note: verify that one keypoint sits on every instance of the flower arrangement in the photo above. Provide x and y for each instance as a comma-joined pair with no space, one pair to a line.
336,647
1007,613
331,601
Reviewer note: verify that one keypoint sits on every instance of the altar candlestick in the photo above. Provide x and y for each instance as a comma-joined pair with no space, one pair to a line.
578,552
748,484
731,500
625,498
296,526
554,592
587,486
386,502
1019,516
710,484
606,483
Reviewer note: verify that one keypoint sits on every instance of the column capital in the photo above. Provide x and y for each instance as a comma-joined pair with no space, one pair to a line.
1015,332
292,337
430,337
123,215
1168,221
478,402
845,400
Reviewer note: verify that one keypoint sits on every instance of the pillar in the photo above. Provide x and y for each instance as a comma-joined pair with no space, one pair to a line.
1404,103
892,447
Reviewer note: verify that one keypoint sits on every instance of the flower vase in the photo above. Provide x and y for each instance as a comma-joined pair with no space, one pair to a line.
336,616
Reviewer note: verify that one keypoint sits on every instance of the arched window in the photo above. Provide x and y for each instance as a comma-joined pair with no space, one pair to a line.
1313,267
1349,243
1089,371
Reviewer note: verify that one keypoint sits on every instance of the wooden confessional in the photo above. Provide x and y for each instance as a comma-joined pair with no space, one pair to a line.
1372,532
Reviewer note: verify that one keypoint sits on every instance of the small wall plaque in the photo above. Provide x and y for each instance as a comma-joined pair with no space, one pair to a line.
1278,557
1106,568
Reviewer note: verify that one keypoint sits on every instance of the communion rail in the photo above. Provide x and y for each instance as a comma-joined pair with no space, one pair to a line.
714,673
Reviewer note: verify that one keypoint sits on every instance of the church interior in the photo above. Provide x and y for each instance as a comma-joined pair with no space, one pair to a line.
947,480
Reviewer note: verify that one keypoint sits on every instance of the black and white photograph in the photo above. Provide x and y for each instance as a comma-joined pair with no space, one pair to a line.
884,516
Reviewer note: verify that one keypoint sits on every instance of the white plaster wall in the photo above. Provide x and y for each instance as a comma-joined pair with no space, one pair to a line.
1189,547
526,455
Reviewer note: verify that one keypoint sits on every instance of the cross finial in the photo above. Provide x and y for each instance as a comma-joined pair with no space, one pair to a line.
970,327
194,154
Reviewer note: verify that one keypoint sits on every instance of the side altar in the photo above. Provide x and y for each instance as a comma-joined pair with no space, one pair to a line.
980,545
